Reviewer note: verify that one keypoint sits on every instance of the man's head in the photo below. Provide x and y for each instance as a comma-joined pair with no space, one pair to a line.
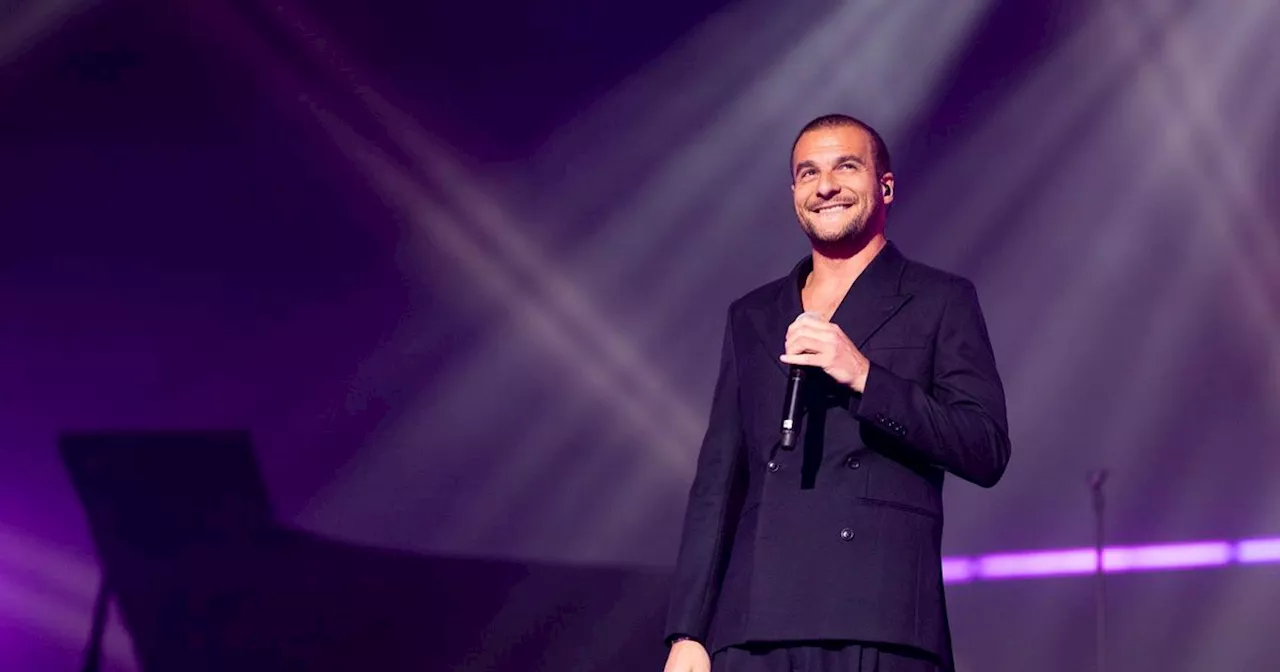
841,179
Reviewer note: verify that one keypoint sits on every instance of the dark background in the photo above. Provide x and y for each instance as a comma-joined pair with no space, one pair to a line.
357,230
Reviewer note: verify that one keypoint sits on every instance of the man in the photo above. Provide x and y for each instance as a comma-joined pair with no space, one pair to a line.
828,556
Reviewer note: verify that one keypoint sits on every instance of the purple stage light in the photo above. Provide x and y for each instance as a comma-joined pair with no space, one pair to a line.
1115,560
1253,551
957,570
1039,563
1168,556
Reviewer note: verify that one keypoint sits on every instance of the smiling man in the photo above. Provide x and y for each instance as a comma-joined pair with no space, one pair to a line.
828,556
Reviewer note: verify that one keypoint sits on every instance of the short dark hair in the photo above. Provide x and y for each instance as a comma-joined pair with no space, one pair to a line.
879,149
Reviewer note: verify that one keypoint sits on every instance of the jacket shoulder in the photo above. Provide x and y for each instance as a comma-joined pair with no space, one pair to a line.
764,295
918,276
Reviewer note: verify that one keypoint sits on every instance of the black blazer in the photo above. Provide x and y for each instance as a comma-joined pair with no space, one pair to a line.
840,538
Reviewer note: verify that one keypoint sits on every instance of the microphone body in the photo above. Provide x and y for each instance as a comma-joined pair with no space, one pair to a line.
791,408
791,403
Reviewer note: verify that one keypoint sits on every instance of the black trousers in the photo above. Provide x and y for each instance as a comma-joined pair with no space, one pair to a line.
819,657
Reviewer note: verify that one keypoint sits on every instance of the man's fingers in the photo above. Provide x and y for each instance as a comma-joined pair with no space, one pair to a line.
809,324
804,344
819,330
801,360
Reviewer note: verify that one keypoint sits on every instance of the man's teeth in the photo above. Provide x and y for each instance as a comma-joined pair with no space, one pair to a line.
833,208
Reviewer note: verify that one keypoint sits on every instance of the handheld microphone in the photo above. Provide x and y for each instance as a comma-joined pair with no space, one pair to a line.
791,408
791,403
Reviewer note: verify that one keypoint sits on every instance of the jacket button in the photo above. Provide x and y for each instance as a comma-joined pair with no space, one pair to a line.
773,466
853,463
846,534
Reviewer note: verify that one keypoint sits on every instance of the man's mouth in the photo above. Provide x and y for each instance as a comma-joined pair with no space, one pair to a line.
832,208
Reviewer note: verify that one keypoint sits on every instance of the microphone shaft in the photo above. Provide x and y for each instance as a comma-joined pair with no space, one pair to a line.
791,408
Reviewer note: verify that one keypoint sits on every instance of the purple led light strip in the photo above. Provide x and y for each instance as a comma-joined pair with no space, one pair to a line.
1115,560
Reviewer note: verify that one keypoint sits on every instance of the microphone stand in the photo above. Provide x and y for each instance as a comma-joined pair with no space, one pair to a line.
93,648
1096,480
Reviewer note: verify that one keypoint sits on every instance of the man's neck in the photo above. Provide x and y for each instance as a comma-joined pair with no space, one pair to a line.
834,269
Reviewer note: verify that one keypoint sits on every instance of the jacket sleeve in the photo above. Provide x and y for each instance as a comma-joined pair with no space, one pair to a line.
961,424
701,560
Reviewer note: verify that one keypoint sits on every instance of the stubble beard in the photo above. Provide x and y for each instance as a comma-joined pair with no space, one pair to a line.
851,231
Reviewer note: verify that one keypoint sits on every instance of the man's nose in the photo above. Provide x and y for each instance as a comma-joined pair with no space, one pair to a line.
827,187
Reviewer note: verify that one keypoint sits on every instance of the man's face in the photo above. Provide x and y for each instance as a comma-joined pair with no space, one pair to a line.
834,183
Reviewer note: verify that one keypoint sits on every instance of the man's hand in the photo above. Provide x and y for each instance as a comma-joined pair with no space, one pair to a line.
687,656
812,341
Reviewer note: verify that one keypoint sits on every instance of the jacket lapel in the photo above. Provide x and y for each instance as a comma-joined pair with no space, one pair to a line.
772,319
869,304
873,299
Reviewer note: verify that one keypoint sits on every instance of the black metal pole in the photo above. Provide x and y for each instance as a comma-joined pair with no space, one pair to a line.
93,649
1096,481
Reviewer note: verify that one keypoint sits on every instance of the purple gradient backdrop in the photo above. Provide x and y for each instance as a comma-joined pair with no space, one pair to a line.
186,244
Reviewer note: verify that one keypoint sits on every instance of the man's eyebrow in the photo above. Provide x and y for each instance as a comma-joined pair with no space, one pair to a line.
847,158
